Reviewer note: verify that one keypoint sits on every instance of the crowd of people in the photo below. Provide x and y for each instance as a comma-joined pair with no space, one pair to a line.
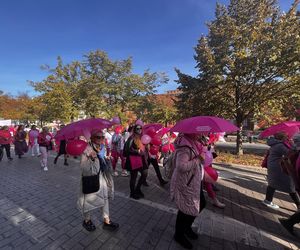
193,153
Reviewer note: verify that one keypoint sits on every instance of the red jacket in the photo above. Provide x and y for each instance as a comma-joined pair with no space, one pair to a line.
5,137
44,140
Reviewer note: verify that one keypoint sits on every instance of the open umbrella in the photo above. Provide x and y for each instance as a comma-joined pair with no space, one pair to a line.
156,126
83,127
289,127
203,125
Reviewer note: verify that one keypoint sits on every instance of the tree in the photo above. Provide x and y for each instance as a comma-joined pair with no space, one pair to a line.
97,85
249,57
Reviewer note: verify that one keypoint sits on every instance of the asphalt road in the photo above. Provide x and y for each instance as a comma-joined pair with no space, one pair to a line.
253,148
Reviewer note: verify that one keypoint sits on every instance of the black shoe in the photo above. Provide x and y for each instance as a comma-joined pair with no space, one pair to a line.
215,188
191,234
10,159
88,225
134,196
288,226
145,184
139,193
163,182
184,242
19,156
55,161
111,226
66,163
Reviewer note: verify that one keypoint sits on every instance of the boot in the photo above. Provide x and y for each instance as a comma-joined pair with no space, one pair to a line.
134,196
183,241
139,193
191,234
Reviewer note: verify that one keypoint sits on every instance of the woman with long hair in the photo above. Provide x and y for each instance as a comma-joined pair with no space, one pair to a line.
136,162
20,141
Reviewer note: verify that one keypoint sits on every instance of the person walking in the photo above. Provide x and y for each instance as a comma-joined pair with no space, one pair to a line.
62,150
5,141
136,162
33,135
186,186
277,179
209,186
20,141
153,160
117,145
92,164
44,141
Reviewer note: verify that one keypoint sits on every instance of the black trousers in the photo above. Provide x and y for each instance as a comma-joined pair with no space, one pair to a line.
270,193
133,177
154,163
7,149
184,221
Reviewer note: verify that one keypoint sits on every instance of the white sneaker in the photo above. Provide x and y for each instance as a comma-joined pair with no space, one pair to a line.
270,204
45,169
218,204
115,173
124,173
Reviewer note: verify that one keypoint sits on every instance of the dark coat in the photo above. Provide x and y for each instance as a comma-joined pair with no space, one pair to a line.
276,177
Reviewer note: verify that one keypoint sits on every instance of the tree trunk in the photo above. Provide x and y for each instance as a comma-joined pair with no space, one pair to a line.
239,139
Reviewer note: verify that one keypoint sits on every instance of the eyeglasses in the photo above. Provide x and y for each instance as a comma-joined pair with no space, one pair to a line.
138,128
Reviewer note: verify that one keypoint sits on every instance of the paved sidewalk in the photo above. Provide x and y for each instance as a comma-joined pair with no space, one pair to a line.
38,211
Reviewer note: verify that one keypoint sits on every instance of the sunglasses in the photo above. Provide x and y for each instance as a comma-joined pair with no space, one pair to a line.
138,128
99,137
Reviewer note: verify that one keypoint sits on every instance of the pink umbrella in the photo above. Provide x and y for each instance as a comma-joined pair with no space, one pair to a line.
289,127
156,126
82,127
203,125
163,131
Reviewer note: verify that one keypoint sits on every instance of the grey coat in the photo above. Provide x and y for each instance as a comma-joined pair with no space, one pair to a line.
276,177
88,202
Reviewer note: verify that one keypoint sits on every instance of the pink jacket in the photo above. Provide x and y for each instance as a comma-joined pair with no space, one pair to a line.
186,178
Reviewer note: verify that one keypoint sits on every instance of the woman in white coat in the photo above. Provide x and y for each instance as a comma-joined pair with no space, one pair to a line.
92,164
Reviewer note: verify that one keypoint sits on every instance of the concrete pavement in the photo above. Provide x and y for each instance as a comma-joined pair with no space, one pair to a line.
38,211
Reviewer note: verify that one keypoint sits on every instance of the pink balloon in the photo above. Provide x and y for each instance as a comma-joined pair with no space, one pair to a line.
154,150
146,139
139,122
210,175
165,148
76,147
151,132
156,141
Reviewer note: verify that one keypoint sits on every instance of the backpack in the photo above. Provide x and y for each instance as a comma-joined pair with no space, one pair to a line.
288,162
169,162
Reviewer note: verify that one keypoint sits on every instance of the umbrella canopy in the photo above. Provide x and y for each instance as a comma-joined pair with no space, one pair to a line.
289,127
156,126
203,125
82,127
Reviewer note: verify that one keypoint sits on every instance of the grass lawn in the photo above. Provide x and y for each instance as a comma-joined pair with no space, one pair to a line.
246,159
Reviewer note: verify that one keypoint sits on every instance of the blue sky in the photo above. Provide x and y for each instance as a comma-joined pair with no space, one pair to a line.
159,35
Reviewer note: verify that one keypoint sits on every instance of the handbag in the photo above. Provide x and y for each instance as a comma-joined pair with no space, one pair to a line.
264,163
136,161
90,184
